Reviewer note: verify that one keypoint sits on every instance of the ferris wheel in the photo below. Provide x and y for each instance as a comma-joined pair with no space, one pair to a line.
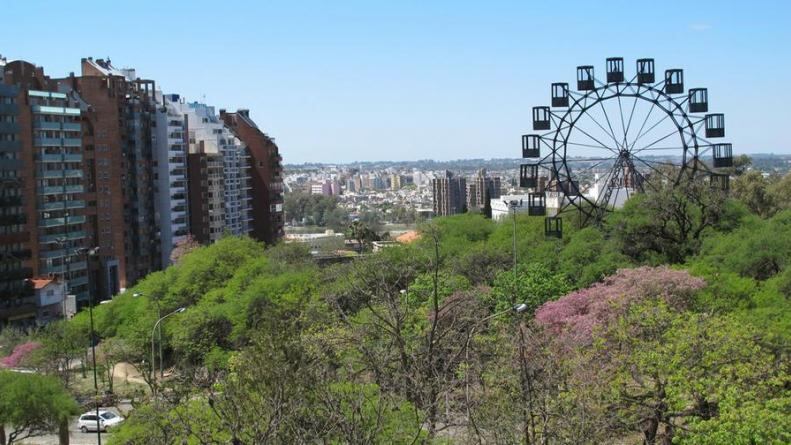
597,146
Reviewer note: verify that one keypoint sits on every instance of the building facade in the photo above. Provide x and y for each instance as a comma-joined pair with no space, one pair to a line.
449,194
480,188
44,186
171,144
120,111
102,175
266,175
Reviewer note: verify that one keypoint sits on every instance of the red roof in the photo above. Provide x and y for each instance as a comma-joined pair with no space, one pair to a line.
40,283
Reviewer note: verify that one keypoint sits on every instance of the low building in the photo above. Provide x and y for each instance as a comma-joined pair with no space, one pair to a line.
52,302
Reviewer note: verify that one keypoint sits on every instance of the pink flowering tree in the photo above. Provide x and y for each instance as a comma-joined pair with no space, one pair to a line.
19,355
575,317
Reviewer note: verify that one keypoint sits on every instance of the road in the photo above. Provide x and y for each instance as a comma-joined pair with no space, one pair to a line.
77,437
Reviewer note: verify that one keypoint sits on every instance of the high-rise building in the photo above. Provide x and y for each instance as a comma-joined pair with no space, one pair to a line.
480,188
210,138
266,175
43,219
395,181
103,159
350,187
449,194
206,207
171,172
121,114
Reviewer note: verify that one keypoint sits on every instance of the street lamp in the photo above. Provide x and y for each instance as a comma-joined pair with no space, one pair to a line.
177,311
93,252
515,309
159,333
512,205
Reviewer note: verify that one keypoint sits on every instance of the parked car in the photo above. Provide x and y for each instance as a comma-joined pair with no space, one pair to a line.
107,420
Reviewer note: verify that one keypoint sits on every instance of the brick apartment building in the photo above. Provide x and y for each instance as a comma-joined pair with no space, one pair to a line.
266,174
105,160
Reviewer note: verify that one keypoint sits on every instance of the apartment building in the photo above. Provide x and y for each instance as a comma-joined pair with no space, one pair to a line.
102,175
43,224
265,172
480,188
449,194
171,145
219,158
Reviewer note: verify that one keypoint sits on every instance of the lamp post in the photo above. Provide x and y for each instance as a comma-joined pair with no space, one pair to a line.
92,252
177,311
159,334
512,205
515,309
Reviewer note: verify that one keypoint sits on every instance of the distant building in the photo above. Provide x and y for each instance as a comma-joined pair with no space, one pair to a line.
449,194
501,207
479,187
321,188
395,182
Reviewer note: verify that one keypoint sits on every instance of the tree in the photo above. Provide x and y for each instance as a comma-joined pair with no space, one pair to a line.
363,234
32,405
575,317
532,284
780,191
589,257
668,222
182,248
110,352
752,188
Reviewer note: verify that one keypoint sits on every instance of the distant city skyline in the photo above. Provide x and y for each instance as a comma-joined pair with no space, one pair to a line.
358,81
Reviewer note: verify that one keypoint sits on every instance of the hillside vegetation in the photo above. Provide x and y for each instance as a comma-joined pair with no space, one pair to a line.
669,323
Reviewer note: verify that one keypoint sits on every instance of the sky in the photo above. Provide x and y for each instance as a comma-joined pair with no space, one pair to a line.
342,81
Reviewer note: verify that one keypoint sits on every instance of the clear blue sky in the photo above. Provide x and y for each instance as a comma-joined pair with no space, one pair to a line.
405,80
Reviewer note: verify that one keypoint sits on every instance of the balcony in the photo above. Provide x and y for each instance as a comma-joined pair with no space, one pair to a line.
74,235
78,281
58,190
48,254
59,269
9,108
7,220
10,164
55,222
55,174
21,254
16,274
57,126
77,204
59,158
47,142
10,201
10,145
61,111
9,127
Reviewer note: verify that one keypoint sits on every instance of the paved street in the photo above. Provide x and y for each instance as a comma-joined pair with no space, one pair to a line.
77,437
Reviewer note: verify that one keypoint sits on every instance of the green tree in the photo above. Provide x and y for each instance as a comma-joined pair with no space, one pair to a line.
533,284
752,189
32,405
668,223
589,257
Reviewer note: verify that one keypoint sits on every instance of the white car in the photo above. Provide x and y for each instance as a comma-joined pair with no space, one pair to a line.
107,419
